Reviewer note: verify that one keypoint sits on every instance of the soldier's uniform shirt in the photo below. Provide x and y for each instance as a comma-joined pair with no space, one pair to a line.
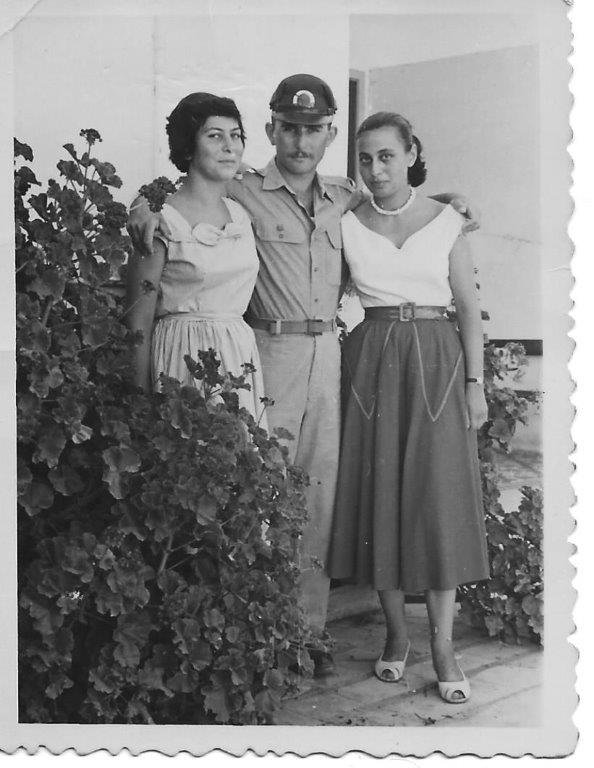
300,255
300,278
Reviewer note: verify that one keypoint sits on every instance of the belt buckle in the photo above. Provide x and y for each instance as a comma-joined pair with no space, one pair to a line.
274,327
406,311
312,330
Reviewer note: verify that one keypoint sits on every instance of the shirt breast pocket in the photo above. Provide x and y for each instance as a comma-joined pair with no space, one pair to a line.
272,232
334,235
333,255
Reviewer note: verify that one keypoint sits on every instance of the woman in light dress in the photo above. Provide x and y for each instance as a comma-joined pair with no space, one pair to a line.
206,269
409,514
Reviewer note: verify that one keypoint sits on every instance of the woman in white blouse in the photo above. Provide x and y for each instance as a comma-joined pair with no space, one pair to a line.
409,515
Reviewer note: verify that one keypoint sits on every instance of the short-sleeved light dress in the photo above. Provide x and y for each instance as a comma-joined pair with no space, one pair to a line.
205,287
409,512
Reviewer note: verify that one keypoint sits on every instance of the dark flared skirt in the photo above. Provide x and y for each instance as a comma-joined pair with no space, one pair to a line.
409,512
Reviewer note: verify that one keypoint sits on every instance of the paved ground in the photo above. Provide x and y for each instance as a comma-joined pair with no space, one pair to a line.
505,679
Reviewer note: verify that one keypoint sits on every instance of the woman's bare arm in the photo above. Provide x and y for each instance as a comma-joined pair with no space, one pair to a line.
468,312
141,305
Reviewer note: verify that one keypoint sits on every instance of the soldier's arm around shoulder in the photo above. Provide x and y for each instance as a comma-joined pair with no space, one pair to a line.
247,178
346,188
353,196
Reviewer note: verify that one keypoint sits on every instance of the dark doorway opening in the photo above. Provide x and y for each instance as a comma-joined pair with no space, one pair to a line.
353,113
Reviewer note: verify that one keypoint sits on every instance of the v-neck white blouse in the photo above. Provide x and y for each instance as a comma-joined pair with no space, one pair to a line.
385,275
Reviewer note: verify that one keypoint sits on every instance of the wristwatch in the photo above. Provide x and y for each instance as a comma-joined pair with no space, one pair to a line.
474,380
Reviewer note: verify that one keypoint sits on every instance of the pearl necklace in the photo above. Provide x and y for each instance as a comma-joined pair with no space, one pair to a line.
396,211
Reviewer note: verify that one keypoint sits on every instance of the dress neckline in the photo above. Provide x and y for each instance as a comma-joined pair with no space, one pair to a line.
412,234
180,216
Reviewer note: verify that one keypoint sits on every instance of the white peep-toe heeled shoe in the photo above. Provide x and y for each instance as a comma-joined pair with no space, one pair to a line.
391,671
449,689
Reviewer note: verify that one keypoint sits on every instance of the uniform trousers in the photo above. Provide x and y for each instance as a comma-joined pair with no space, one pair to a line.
302,376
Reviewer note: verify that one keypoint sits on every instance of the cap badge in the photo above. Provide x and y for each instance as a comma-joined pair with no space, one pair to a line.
304,99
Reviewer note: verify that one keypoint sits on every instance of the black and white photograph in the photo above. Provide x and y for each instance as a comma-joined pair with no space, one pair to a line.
289,445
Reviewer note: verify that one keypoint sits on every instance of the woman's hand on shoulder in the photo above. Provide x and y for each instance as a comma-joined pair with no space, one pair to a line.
476,406
142,225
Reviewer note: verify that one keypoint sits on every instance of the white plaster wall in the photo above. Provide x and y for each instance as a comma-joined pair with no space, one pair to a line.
478,118
470,84
244,58
122,74
381,40
76,72
510,285
472,97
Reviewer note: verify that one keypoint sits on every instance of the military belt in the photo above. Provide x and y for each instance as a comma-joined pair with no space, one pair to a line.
311,327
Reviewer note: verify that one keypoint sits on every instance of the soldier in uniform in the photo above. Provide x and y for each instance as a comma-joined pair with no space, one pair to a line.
296,216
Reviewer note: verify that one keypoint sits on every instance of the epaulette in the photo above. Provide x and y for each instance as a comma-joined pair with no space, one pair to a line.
340,181
251,176
247,170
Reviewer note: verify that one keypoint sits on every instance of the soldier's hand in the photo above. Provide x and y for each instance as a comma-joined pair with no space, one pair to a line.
471,214
243,168
142,225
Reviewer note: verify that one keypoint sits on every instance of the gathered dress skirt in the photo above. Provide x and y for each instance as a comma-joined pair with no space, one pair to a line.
409,511
233,341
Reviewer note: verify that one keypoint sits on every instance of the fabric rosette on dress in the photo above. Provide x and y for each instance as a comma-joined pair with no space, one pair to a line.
204,291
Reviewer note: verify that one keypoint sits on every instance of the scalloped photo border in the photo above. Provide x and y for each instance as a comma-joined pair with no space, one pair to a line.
556,735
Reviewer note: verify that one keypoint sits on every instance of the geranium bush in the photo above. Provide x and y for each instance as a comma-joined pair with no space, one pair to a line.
156,532
508,605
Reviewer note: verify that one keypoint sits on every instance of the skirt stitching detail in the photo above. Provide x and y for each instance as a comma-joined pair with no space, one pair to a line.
388,332
424,390
367,414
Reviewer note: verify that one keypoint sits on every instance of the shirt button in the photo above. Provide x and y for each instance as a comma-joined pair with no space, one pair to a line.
316,300
280,235
316,269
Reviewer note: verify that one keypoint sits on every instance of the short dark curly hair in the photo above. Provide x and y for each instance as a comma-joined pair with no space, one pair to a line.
188,117
417,173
